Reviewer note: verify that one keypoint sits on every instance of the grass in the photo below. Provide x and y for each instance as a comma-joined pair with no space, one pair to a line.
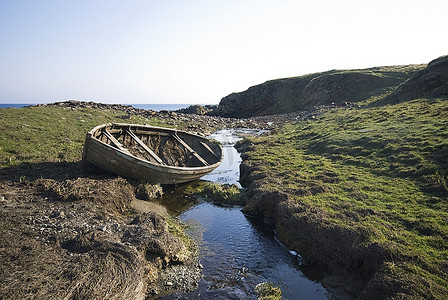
289,96
51,134
37,135
229,194
380,172
268,291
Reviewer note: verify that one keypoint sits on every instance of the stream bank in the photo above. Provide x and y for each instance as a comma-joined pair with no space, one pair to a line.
238,252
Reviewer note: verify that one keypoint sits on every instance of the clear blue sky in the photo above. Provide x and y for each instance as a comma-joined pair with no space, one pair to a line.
173,51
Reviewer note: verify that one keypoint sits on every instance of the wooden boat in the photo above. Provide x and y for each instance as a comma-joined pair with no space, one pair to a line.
154,154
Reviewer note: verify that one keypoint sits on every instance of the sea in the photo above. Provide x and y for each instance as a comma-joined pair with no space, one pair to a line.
155,107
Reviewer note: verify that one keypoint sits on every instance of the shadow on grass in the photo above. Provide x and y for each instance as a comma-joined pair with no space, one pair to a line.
46,170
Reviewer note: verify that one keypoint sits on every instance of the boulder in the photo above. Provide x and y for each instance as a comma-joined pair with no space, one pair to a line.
431,82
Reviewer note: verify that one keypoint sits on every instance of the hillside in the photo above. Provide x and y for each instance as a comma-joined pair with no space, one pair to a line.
431,82
304,92
362,190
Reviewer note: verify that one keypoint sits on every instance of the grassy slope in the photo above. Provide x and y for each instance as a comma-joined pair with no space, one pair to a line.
287,92
51,134
380,172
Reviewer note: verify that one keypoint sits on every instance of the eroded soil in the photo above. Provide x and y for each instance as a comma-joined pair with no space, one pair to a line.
67,236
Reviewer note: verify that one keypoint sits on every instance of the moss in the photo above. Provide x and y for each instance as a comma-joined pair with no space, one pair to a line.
229,194
179,229
268,291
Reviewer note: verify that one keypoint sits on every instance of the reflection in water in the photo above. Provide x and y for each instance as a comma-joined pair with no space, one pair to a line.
238,252
228,170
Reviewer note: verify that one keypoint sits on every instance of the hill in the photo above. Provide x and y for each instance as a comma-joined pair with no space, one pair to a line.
362,192
304,92
431,82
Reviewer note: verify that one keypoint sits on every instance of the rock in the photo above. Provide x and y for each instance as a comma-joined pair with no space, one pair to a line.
58,214
431,82
196,109
146,191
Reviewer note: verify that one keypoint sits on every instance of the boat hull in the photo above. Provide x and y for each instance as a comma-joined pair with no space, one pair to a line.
105,156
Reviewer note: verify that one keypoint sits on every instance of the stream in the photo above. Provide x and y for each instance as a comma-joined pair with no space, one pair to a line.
238,252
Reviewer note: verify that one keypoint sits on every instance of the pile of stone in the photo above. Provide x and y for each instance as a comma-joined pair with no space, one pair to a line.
202,123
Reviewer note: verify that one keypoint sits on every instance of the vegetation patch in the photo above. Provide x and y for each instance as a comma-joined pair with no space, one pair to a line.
52,134
268,291
370,186
229,194
147,191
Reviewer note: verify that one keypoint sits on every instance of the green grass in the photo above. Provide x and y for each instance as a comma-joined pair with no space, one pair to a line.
229,194
288,92
378,171
51,134
268,291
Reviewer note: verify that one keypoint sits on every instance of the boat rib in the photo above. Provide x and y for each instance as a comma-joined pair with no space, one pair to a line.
182,142
143,145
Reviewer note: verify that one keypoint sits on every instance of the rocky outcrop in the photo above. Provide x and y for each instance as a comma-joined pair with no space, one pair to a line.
340,87
197,109
431,82
304,92
271,97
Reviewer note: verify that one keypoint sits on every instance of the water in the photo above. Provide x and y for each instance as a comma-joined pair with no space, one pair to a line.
14,105
228,170
239,252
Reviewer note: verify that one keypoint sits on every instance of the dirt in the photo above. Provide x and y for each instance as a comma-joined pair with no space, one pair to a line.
68,236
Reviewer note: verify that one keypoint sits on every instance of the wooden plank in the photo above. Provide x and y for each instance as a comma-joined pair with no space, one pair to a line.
182,142
143,145
115,141
141,132
208,148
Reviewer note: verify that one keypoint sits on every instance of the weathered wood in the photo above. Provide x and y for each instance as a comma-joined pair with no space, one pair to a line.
143,145
208,148
106,152
141,132
115,141
182,142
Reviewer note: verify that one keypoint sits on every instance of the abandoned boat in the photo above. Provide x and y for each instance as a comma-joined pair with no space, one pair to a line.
154,154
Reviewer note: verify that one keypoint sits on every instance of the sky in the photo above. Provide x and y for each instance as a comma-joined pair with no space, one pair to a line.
199,51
